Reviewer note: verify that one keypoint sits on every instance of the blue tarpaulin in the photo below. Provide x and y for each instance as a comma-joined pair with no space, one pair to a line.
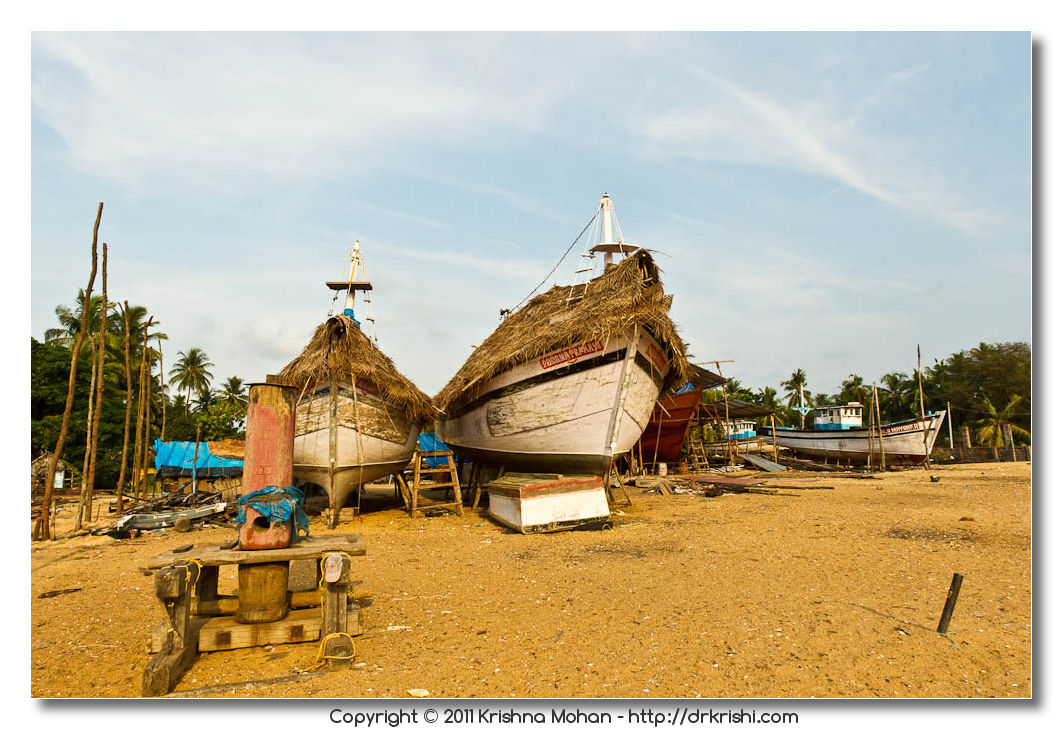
175,460
432,442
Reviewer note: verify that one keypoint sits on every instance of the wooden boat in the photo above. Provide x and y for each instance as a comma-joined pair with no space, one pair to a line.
838,433
543,502
357,417
567,383
665,435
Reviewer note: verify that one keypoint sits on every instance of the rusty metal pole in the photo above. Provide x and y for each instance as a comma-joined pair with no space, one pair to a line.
268,459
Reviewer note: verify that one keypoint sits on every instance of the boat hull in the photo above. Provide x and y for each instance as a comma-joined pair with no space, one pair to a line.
372,440
904,443
570,411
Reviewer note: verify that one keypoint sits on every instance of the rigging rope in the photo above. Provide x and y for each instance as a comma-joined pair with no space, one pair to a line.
532,292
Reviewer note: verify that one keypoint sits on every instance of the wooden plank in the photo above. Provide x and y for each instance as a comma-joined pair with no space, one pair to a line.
300,626
311,548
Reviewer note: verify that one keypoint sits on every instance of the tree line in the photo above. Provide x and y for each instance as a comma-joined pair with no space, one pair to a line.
987,386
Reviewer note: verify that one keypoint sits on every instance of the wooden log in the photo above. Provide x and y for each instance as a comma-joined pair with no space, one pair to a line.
263,592
298,626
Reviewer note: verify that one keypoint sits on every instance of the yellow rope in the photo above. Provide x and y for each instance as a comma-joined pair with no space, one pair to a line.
322,658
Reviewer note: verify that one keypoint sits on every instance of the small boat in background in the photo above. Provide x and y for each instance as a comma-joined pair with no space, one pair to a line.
544,502
838,433
357,417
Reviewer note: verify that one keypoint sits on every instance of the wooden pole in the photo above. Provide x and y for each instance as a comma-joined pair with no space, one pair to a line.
881,442
195,456
162,387
128,408
86,496
951,443
949,603
147,410
774,437
922,409
726,429
88,441
45,530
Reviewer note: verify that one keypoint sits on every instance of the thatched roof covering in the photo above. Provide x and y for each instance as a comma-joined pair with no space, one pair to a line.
626,294
339,351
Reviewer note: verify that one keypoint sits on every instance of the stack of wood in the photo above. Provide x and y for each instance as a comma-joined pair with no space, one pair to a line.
706,484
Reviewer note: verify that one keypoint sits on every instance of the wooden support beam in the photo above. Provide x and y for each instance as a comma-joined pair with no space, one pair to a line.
337,647
173,586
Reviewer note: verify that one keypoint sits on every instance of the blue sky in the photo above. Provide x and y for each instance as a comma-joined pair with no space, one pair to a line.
824,201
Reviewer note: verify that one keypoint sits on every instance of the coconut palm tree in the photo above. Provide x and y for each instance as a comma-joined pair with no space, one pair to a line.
232,391
898,396
854,390
192,372
768,397
792,387
990,427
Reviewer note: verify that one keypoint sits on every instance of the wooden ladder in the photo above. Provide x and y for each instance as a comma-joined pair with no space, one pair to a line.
698,458
411,489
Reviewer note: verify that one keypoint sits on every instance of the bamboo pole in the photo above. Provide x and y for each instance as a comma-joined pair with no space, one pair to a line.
922,409
128,407
46,531
86,494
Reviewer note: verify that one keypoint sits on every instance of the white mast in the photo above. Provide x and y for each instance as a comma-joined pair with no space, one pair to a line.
356,281
606,213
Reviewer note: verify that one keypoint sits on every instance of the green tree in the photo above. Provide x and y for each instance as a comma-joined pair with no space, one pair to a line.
792,387
990,427
232,391
192,372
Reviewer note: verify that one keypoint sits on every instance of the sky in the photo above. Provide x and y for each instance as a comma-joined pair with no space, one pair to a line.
822,201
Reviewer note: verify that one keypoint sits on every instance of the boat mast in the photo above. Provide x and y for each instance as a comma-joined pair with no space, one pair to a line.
803,409
356,281
602,239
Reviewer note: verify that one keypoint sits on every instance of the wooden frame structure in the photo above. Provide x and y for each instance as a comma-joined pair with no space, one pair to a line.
200,620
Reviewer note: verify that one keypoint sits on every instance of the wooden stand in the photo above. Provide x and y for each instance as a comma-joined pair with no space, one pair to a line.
413,488
198,619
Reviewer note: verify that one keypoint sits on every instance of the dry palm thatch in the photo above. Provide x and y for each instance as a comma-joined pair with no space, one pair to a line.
626,294
339,351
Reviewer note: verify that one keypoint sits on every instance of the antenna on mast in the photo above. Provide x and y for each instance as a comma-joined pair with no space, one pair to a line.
356,281
601,240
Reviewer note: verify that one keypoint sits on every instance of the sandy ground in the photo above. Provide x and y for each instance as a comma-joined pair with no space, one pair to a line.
826,593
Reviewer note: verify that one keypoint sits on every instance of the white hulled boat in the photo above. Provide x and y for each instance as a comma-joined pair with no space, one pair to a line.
838,433
567,383
357,418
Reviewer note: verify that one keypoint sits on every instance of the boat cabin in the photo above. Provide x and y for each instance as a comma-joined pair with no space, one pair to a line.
839,417
739,429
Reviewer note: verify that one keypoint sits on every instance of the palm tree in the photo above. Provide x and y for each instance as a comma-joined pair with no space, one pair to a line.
854,390
797,381
990,427
899,397
232,391
768,397
70,320
192,372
